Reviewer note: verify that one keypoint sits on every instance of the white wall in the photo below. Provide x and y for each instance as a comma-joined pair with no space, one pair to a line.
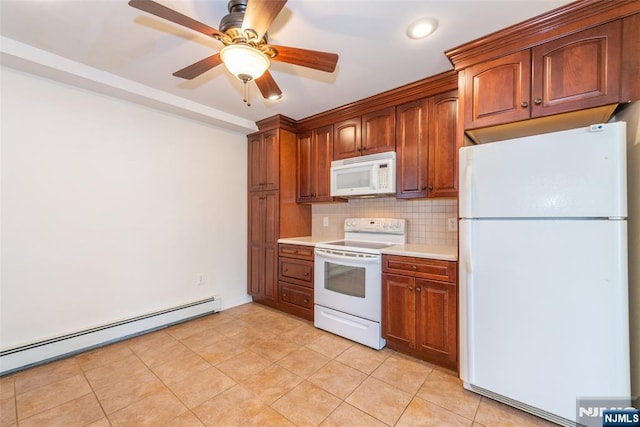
631,115
111,210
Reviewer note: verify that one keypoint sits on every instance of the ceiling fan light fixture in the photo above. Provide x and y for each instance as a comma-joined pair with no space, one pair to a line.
422,28
244,62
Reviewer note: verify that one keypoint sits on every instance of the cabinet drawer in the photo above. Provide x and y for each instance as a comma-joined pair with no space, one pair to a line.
296,271
294,295
296,251
420,267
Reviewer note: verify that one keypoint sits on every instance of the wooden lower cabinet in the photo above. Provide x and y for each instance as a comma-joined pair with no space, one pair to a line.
295,280
419,308
263,246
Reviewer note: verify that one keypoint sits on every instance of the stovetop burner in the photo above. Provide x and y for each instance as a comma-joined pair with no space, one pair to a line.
369,235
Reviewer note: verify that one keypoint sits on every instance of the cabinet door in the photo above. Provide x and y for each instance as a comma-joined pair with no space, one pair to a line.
263,246
256,218
436,321
498,91
271,215
411,149
255,159
378,131
398,309
305,168
578,71
322,155
346,139
270,163
263,161
443,145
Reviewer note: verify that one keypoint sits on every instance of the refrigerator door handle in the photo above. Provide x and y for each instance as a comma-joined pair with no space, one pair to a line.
467,247
468,183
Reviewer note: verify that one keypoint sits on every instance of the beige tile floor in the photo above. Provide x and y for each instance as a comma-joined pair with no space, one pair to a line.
249,365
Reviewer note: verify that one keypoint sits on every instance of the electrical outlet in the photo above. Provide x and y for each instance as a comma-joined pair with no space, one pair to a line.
325,221
452,224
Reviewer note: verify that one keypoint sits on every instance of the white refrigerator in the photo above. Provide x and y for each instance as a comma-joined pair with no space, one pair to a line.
543,270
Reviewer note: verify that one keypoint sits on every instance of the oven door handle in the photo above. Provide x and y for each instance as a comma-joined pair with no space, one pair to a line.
367,259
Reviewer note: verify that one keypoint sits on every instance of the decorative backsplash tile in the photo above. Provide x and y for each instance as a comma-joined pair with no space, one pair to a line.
426,219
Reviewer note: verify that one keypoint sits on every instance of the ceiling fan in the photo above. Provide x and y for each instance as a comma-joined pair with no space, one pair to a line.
246,52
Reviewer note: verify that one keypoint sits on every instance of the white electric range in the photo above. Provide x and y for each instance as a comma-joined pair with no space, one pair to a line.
348,279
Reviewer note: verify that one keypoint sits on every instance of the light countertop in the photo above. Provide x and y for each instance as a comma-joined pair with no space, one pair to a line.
445,253
307,240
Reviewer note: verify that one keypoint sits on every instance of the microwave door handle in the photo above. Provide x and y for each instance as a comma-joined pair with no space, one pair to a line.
375,177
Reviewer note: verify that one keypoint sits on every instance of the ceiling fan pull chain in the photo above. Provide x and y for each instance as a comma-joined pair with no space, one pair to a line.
245,97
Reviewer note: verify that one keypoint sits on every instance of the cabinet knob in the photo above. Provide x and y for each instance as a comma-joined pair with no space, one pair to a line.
424,187
284,294
524,104
537,101
306,273
414,268
286,270
431,188
359,149
418,289
364,148
306,301
313,195
410,288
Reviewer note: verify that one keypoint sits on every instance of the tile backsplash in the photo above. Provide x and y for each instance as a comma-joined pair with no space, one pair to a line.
426,219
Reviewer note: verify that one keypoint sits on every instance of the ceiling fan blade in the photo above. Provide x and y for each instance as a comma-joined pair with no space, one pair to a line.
194,70
161,11
322,61
268,87
260,14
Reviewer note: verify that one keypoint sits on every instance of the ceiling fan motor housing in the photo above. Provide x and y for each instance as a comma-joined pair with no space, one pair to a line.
233,20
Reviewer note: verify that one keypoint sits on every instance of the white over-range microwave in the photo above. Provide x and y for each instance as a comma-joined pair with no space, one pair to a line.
371,175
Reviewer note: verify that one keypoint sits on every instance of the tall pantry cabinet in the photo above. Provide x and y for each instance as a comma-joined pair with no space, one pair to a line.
272,209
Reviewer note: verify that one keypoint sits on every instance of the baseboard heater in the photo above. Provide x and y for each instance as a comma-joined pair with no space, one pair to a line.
29,355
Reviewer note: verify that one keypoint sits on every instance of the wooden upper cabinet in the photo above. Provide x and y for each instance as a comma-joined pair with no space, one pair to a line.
315,152
443,147
347,141
322,156
577,71
367,134
498,91
571,73
304,168
412,149
263,161
378,131
426,147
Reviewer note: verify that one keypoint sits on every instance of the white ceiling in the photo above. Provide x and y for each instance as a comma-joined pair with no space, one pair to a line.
109,46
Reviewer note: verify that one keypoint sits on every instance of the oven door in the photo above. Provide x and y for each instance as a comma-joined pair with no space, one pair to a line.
349,282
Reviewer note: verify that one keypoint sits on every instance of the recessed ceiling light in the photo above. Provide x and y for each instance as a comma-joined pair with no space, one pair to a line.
422,28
